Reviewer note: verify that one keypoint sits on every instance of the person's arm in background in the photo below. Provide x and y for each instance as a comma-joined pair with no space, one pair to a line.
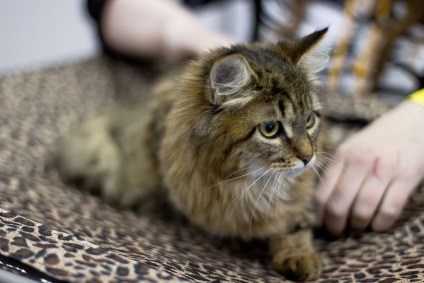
375,171
155,29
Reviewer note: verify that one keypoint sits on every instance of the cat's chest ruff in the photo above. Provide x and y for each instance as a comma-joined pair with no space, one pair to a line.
257,193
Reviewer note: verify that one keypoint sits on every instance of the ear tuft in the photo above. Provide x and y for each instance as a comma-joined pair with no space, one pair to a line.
306,55
227,79
304,45
314,61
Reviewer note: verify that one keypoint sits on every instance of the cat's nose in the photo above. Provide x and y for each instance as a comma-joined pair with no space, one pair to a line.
306,158
304,151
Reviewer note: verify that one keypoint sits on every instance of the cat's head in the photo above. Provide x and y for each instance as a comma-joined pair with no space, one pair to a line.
257,105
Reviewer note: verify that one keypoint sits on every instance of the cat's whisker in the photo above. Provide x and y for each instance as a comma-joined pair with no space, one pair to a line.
331,160
326,156
325,185
319,153
276,185
246,190
319,163
256,203
239,171
277,188
273,189
320,177
280,191
320,166
324,153
235,178
338,164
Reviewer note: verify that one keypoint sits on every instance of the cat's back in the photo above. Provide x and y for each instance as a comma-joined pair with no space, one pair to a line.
116,152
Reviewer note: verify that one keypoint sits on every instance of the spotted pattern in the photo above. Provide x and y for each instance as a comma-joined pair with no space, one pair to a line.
66,256
72,236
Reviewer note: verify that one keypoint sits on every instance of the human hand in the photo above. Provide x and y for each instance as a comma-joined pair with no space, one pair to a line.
181,42
156,29
373,173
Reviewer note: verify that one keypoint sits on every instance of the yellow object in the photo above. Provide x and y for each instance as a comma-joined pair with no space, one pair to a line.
417,97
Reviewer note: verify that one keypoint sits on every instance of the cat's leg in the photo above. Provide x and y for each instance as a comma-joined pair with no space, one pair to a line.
91,158
294,256
118,164
140,174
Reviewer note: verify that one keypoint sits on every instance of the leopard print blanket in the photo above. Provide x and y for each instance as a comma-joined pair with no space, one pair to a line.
76,237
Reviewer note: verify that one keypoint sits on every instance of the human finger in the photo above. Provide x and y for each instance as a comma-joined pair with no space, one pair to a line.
367,200
392,204
349,183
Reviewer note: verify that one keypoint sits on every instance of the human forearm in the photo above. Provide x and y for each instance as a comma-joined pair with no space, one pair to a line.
160,28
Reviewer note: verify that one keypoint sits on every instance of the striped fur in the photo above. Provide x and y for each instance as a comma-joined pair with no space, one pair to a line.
200,138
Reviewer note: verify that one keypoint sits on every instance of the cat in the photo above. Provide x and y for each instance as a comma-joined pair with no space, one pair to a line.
230,142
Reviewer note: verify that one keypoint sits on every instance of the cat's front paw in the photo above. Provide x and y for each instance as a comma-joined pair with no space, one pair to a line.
298,266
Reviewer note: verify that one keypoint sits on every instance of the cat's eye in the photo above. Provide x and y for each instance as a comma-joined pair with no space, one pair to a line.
269,129
311,120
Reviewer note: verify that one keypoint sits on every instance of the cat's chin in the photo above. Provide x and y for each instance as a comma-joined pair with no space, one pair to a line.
295,172
299,168
291,172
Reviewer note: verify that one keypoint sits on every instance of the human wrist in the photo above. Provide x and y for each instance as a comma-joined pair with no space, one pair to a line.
186,37
413,110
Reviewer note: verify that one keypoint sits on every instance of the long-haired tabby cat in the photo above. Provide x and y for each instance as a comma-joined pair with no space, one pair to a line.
229,142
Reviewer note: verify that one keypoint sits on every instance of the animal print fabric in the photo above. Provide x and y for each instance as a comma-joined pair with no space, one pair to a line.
73,236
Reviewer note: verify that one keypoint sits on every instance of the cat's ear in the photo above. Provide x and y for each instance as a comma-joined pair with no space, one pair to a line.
306,54
228,77
303,46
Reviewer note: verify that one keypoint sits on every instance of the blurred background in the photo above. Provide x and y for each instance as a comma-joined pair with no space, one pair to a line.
44,33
